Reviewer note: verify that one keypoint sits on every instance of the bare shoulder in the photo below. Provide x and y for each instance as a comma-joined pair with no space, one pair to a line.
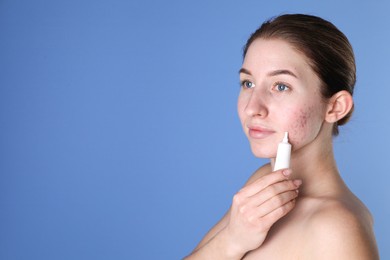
340,229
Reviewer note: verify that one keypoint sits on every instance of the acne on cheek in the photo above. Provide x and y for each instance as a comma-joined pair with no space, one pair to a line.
298,130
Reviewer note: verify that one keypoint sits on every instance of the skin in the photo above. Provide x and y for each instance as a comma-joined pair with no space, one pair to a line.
306,212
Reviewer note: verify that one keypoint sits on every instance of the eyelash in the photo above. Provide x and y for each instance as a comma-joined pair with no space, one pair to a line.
243,82
287,87
275,85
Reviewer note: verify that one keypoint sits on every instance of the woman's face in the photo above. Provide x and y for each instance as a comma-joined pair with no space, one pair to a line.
279,93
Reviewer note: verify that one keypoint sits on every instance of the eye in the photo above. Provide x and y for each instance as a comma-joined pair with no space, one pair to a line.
280,87
247,84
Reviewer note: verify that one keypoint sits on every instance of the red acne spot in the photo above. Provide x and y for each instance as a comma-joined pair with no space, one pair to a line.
302,119
298,129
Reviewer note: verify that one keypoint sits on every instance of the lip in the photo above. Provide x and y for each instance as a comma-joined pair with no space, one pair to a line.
259,132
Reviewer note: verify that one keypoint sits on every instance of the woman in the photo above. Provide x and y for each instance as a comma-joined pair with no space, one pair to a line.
297,76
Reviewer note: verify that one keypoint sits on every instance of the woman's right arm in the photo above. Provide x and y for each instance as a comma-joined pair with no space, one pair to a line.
255,208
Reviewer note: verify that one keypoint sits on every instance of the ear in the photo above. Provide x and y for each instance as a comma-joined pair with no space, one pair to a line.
339,105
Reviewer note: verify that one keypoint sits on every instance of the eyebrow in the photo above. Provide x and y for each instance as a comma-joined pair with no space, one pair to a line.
272,73
245,71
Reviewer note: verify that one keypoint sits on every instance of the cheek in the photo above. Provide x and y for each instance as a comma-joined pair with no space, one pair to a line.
305,126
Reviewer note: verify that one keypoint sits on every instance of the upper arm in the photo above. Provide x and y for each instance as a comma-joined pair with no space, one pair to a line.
339,234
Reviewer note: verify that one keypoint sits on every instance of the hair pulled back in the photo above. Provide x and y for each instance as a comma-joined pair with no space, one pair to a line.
328,50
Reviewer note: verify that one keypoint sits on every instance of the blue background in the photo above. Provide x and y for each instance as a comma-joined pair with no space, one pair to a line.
119,137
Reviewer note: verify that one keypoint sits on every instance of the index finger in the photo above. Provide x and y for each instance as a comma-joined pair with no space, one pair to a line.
265,181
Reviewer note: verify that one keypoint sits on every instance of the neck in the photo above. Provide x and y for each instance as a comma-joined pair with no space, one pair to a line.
315,165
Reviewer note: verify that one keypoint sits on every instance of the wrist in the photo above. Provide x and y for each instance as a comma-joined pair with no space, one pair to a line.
227,244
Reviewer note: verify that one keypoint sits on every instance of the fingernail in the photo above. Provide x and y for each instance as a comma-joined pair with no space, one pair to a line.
287,172
297,182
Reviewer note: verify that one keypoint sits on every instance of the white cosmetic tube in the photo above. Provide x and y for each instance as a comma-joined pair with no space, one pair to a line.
283,154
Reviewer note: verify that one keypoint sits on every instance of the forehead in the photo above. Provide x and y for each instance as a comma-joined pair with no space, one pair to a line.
272,54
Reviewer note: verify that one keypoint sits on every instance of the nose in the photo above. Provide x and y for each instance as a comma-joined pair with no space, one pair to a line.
256,105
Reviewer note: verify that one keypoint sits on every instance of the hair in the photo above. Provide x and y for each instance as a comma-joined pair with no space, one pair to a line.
328,50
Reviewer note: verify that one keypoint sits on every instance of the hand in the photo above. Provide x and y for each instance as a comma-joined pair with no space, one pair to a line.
257,207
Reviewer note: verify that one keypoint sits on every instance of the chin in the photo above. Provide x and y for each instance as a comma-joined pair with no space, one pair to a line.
263,151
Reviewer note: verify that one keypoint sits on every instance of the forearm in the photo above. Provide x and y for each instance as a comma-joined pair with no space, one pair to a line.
219,247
